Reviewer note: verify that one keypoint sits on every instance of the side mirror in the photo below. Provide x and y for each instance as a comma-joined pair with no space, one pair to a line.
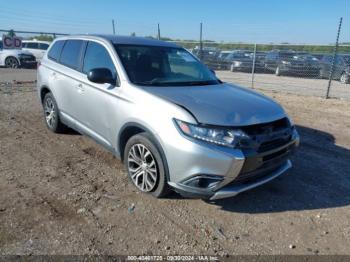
101,76
211,70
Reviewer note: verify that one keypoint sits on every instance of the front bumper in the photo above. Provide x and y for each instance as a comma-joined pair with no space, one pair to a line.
28,62
237,172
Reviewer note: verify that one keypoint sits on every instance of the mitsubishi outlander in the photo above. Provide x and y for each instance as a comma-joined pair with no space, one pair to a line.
171,121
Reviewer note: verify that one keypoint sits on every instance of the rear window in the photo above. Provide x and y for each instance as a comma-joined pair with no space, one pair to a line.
71,53
56,50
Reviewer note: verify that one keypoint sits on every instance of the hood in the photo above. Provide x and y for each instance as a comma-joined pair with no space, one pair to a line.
222,104
24,52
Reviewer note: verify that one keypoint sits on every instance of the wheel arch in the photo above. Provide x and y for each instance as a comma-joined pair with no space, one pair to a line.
43,91
11,55
133,128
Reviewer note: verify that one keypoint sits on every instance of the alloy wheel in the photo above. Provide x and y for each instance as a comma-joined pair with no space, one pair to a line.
50,112
142,167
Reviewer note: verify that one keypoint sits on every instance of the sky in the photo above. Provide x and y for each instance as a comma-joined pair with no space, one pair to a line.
251,21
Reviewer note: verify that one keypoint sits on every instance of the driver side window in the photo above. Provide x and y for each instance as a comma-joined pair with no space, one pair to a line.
96,56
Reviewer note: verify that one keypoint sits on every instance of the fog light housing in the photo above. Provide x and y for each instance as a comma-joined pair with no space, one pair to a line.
203,181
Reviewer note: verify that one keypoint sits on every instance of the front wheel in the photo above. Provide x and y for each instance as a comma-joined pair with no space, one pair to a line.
145,165
344,78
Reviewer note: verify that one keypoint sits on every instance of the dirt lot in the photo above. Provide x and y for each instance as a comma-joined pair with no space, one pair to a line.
288,84
64,194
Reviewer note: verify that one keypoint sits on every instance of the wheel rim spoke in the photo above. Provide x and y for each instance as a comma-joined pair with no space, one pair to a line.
49,109
142,167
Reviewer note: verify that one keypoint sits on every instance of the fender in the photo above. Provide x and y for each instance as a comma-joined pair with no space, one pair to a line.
154,140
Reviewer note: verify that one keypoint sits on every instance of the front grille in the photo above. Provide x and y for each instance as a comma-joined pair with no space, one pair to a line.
267,151
256,174
272,144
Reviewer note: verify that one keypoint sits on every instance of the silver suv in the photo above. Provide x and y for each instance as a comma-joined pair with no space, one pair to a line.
172,122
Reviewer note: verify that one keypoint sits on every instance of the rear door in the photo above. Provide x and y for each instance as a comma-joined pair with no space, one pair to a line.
67,85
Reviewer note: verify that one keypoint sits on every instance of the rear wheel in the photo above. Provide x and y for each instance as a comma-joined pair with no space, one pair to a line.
145,166
51,114
11,62
344,78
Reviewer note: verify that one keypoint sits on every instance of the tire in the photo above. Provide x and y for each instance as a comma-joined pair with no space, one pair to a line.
51,114
155,174
278,71
344,78
11,62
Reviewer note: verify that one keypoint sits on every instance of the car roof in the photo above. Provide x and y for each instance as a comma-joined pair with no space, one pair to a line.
35,41
130,40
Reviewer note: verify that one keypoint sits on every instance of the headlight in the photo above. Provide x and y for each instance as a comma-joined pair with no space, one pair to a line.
286,62
218,136
237,63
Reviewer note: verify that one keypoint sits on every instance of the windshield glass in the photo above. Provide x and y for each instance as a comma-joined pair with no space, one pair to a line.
163,66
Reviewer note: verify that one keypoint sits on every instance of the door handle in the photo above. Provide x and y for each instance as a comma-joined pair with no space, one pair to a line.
80,88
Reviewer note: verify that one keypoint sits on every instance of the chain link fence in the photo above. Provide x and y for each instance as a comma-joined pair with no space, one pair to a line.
302,69
298,69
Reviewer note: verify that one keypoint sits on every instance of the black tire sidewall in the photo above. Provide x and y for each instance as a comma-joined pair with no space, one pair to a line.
161,188
17,64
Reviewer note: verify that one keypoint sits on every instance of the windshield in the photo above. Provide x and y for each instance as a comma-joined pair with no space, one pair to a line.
163,66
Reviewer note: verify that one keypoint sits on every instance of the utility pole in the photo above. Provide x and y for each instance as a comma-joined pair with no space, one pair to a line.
113,26
200,41
158,32
334,58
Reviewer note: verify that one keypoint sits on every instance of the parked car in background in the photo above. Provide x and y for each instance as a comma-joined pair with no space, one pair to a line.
233,56
14,58
174,124
341,68
318,56
37,48
244,63
287,62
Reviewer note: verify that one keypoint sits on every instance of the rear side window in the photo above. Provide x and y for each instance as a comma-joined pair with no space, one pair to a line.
71,53
56,50
43,46
96,56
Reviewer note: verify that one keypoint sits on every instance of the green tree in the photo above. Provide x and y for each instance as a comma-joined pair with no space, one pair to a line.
11,33
43,37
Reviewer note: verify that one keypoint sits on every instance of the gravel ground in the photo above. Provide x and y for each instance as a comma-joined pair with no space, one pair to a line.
288,84
64,194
